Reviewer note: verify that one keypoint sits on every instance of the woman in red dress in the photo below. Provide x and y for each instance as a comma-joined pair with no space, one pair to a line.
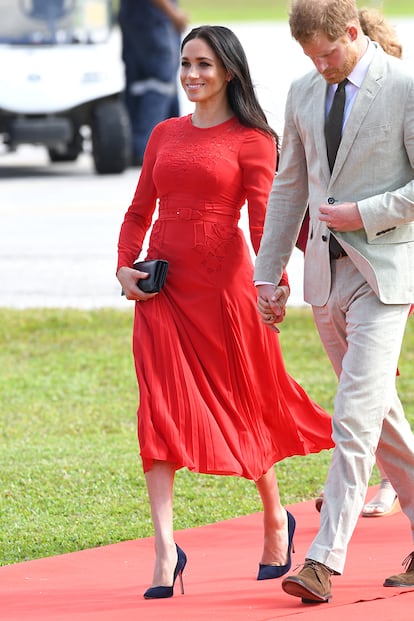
214,393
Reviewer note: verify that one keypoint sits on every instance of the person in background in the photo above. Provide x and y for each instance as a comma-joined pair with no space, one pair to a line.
214,394
151,37
376,27
359,261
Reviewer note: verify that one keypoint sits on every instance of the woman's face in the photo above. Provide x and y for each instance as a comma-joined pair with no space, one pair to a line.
202,75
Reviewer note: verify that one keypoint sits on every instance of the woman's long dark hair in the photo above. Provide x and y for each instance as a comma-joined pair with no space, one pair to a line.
240,91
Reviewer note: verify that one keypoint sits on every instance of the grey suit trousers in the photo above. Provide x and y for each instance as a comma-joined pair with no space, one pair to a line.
362,337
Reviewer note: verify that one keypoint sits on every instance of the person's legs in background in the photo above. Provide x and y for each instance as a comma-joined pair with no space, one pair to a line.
151,59
385,502
149,104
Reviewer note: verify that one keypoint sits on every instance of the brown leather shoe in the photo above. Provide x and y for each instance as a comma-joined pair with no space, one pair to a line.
406,579
312,583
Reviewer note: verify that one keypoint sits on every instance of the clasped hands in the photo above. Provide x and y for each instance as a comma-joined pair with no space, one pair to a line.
271,303
271,300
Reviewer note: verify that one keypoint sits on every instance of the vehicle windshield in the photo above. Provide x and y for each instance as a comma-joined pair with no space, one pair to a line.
54,22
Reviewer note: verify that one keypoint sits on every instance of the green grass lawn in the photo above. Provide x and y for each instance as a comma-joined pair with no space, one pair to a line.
70,474
216,11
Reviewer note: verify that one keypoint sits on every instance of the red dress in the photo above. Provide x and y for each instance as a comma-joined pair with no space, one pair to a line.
214,393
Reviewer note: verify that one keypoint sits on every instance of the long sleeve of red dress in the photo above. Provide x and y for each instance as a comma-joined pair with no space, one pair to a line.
257,159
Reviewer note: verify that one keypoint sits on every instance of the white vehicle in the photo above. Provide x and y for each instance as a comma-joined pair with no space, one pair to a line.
62,80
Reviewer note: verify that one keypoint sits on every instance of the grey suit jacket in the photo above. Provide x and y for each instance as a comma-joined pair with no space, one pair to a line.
374,167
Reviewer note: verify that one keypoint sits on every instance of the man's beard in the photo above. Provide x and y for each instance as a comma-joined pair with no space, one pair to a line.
339,74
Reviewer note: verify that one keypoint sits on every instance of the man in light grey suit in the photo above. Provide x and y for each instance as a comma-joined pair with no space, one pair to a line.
359,263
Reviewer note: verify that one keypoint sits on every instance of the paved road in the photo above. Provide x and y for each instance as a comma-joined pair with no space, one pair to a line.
58,232
59,223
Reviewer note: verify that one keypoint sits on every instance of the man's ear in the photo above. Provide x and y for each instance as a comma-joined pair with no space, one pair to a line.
352,32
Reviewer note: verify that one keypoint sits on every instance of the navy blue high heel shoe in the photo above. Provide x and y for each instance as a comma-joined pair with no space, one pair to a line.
267,572
160,592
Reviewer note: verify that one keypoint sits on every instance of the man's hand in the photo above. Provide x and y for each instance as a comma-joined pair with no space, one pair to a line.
341,217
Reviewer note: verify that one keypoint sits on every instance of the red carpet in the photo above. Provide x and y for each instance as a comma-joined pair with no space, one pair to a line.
106,584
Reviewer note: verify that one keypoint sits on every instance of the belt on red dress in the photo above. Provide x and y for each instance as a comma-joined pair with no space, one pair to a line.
186,213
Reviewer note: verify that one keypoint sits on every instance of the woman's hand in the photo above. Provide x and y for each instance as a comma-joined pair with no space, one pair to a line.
128,277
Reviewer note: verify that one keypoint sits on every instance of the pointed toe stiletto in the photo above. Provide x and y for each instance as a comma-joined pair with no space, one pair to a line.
162,592
268,572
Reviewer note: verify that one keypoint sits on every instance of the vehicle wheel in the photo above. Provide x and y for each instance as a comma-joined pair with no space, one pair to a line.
70,152
111,137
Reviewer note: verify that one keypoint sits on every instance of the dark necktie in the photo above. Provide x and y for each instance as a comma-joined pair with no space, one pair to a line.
333,135
333,124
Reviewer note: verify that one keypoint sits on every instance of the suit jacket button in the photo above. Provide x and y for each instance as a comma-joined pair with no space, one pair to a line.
324,238
331,200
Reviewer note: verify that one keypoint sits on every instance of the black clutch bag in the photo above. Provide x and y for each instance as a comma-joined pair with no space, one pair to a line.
157,270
